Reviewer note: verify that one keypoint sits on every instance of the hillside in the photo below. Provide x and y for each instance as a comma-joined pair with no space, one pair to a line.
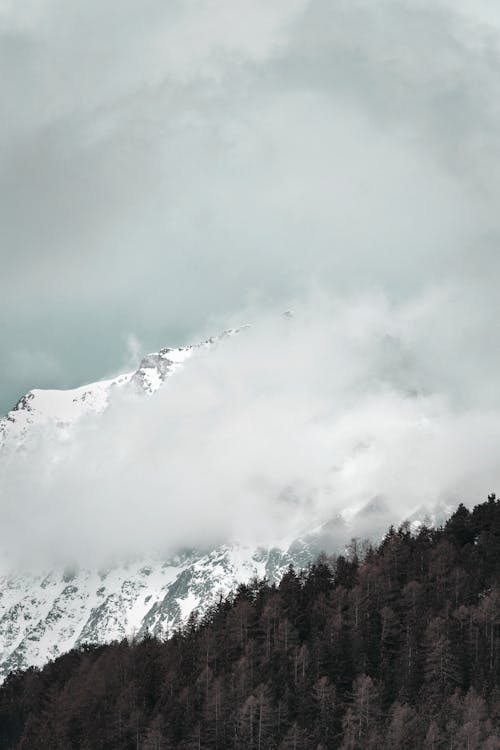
389,647
48,607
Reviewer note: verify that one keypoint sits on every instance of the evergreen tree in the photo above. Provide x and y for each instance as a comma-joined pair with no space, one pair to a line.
396,649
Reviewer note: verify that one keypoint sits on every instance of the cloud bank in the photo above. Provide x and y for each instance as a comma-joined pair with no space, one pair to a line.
167,169
279,428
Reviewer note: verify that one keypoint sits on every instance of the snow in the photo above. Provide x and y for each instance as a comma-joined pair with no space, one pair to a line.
44,407
177,355
151,378
188,605
40,408
43,615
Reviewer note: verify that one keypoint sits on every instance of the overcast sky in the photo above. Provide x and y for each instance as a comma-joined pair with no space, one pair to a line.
167,166
168,169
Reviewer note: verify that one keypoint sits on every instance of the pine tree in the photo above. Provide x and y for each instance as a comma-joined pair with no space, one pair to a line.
362,722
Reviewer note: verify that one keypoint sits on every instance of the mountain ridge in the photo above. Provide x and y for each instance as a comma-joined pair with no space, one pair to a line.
45,614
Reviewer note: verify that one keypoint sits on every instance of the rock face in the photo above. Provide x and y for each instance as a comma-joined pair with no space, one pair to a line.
44,615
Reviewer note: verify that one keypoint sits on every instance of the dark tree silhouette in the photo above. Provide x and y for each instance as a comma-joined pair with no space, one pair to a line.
394,648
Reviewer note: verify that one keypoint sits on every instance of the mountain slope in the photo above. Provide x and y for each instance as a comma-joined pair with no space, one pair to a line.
45,614
394,650
41,408
42,616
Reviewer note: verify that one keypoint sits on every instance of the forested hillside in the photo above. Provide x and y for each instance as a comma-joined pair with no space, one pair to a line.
384,648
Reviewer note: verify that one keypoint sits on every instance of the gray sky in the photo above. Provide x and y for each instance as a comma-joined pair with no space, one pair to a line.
169,167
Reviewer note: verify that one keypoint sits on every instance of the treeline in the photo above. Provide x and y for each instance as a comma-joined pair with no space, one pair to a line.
398,647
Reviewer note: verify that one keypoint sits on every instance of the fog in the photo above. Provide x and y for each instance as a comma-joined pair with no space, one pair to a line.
276,429
171,169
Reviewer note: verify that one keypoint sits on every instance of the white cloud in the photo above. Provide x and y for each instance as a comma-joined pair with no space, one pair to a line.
280,427
164,166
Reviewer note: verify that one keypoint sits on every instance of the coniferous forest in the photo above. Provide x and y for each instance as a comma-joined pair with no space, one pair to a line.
390,647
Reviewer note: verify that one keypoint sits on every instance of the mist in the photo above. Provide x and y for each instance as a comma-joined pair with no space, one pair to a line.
171,169
277,429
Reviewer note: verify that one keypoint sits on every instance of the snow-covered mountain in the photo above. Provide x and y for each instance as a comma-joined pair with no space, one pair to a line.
41,408
44,615
61,408
47,613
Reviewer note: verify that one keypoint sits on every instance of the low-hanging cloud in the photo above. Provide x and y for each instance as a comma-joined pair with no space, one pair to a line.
164,165
276,429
